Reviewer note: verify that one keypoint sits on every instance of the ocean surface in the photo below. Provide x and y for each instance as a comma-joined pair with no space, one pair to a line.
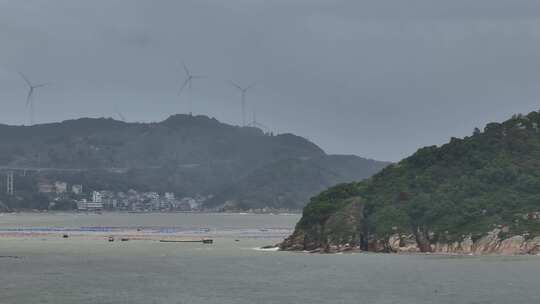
37,265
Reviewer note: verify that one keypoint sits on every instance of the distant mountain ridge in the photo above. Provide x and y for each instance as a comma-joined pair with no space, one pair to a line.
185,154
104,143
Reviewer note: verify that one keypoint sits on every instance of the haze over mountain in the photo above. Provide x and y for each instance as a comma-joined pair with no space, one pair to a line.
185,154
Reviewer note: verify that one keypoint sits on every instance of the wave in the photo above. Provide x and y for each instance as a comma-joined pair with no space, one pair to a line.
269,249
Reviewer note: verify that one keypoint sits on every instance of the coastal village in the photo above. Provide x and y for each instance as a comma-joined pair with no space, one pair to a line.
60,195
61,192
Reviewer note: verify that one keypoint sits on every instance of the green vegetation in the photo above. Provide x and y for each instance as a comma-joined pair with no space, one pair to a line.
468,186
290,182
328,202
184,154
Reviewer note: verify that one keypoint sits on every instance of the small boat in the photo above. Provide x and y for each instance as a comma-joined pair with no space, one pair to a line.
111,239
124,239
65,236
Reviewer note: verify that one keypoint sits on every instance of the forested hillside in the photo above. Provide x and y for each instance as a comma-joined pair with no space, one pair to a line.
463,189
184,154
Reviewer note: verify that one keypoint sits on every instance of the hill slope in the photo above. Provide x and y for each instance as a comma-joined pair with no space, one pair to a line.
480,194
289,182
184,154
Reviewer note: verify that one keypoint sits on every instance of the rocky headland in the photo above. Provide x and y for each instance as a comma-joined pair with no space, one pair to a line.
495,242
478,195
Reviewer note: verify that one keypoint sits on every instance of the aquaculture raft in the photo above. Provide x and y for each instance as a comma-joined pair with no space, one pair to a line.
205,241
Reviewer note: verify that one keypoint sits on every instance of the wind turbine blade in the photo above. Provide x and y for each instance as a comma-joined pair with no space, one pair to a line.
25,79
199,77
184,85
186,70
120,115
251,86
259,125
235,85
41,85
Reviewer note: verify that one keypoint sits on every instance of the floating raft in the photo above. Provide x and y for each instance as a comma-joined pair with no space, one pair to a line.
205,241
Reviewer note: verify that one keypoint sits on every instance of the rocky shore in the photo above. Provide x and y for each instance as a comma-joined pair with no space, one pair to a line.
346,231
491,244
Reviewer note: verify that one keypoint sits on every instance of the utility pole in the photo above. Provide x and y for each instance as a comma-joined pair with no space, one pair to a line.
9,183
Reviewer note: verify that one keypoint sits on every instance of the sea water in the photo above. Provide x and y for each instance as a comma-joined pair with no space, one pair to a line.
43,267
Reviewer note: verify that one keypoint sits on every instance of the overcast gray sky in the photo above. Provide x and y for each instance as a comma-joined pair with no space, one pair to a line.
374,78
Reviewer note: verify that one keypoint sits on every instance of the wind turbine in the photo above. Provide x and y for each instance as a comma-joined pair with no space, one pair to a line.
243,90
188,83
29,100
256,124
120,115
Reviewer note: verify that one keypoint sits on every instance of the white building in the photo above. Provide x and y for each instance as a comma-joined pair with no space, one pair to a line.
44,186
77,189
154,196
96,197
61,187
84,205
191,202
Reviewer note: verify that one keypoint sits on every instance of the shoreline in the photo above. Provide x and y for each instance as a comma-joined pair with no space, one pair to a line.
74,212
403,253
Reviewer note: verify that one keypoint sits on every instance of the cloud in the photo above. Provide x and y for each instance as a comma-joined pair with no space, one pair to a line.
374,78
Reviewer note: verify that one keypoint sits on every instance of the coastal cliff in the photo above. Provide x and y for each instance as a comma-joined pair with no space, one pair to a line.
341,229
476,195
492,243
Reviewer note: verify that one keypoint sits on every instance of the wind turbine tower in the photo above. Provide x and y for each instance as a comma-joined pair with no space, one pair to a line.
189,83
29,99
243,91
